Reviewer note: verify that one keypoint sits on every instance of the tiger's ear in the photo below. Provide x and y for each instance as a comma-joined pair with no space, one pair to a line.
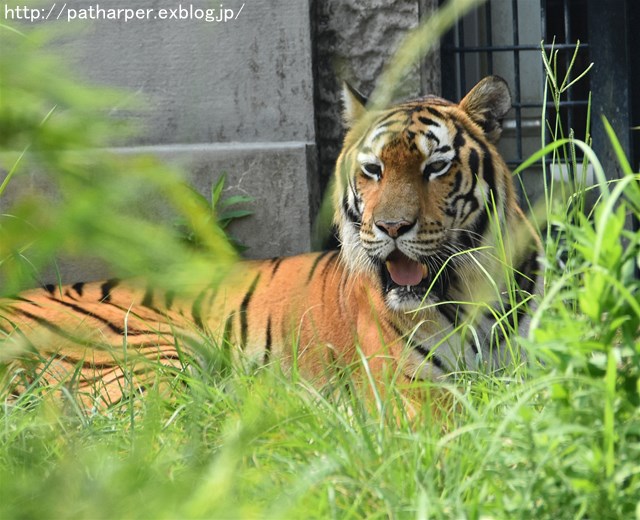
353,105
487,103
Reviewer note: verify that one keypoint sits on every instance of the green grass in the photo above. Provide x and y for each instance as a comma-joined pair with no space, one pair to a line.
259,445
558,438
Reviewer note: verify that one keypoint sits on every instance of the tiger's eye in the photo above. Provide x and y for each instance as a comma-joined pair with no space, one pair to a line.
372,170
436,167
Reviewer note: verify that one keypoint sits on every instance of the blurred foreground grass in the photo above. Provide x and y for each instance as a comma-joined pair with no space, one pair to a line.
89,202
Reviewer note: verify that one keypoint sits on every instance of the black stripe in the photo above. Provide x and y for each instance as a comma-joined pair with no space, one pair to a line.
147,300
243,311
427,121
169,296
430,356
489,174
458,140
479,227
50,288
334,256
474,161
228,331
325,277
449,311
525,275
110,366
454,211
410,139
434,112
344,279
509,320
106,288
126,392
488,125
471,204
457,182
267,346
444,277
395,328
109,323
78,288
470,201
276,264
52,327
352,216
25,300
474,346
357,199
432,136
389,116
410,379
380,135
315,264
196,310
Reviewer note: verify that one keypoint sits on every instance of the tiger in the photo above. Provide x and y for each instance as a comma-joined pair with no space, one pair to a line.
416,286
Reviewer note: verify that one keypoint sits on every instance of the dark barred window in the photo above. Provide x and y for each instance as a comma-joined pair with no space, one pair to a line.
503,37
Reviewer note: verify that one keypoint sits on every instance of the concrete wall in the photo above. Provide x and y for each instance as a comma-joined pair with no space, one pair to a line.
245,80
232,97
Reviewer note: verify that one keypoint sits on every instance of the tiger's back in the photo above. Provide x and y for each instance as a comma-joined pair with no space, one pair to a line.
95,337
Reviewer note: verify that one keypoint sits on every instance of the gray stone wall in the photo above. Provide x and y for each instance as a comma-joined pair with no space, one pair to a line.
232,97
245,80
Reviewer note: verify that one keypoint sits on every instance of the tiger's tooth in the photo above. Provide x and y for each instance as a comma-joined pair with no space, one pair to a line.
425,271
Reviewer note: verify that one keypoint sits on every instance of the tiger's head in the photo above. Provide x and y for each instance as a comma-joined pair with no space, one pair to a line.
417,185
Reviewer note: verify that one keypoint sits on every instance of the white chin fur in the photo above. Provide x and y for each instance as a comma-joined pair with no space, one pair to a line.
400,300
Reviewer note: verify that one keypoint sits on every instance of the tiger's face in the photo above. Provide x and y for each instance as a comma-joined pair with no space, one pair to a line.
419,184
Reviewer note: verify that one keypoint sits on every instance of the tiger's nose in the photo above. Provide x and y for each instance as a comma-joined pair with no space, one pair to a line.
394,228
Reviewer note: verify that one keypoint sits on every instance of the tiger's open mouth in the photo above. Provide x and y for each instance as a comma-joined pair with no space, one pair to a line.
399,270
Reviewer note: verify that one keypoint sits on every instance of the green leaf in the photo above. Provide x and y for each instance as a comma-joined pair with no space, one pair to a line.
216,190
235,199
235,214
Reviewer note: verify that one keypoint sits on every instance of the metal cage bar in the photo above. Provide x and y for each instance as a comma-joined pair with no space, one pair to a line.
516,87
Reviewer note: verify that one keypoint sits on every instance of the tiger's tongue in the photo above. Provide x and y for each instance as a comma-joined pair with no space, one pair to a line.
405,271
